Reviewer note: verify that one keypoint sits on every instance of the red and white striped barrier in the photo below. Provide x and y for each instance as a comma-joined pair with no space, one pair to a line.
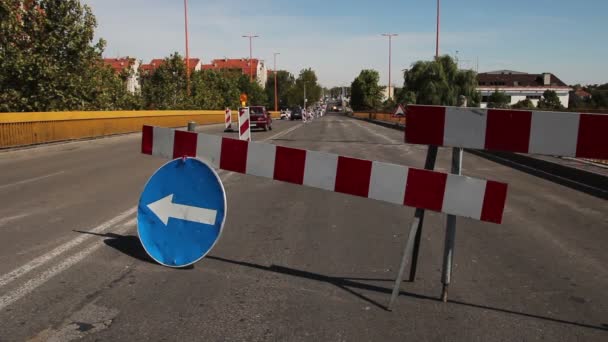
452,194
551,133
244,124
228,120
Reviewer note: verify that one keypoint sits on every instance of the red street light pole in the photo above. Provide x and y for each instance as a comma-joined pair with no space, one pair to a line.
250,36
276,100
187,48
390,36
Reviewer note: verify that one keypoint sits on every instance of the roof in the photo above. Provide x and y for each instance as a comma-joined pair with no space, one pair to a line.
119,64
235,63
155,63
517,79
505,72
581,93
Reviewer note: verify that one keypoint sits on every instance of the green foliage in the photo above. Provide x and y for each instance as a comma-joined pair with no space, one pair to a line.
285,81
550,100
439,82
211,89
498,99
50,62
366,93
524,104
256,96
165,88
307,78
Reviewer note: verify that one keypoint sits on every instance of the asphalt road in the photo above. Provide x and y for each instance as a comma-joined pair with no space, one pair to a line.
294,263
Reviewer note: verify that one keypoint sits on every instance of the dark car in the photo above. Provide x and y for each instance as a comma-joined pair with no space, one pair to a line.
260,118
296,114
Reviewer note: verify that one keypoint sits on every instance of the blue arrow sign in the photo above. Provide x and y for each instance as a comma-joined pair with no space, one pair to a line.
181,212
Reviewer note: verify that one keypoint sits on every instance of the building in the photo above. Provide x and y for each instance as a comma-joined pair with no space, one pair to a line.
520,86
581,94
129,66
195,65
258,67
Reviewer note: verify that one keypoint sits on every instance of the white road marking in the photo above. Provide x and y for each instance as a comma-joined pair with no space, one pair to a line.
41,260
374,133
25,181
42,278
5,220
283,133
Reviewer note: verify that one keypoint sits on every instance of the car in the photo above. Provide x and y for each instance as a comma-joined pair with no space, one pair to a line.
285,114
260,118
296,114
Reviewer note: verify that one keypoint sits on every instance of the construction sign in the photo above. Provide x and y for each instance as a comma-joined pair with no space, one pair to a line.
399,112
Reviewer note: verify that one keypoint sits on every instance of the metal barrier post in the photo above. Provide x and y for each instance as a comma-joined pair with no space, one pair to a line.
450,235
406,253
431,157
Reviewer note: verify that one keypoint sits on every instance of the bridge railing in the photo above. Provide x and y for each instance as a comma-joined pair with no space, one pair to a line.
22,129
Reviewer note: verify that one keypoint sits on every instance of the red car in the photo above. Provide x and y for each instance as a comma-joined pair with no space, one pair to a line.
260,118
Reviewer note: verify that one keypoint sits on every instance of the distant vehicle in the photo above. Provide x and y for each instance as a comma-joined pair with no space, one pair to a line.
260,118
285,114
296,114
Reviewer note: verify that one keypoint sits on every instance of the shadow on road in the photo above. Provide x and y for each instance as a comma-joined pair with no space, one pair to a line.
347,284
129,245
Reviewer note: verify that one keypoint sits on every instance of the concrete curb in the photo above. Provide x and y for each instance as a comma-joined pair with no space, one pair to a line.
585,181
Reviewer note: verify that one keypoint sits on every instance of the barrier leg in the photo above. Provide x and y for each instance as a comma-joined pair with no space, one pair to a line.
407,251
431,157
450,234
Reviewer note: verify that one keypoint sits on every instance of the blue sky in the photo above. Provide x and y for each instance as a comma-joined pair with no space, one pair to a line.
339,38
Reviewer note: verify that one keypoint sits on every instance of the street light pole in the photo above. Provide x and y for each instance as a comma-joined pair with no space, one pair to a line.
187,48
390,36
276,100
250,36
437,40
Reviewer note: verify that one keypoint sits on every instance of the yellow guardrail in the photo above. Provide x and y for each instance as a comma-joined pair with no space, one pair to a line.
21,129
380,117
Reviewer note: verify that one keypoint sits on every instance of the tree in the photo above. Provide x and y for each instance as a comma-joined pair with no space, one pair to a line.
366,93
285,81
256,95
550,100
165,88
498,99
523,104
212,89
439,82
307,78
49,60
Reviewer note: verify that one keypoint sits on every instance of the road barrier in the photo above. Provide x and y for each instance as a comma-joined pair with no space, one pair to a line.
436,191
22,129
228,120
452,194
244,124
562,134
534,132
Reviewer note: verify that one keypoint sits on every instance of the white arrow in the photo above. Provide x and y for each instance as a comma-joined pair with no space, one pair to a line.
165,208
